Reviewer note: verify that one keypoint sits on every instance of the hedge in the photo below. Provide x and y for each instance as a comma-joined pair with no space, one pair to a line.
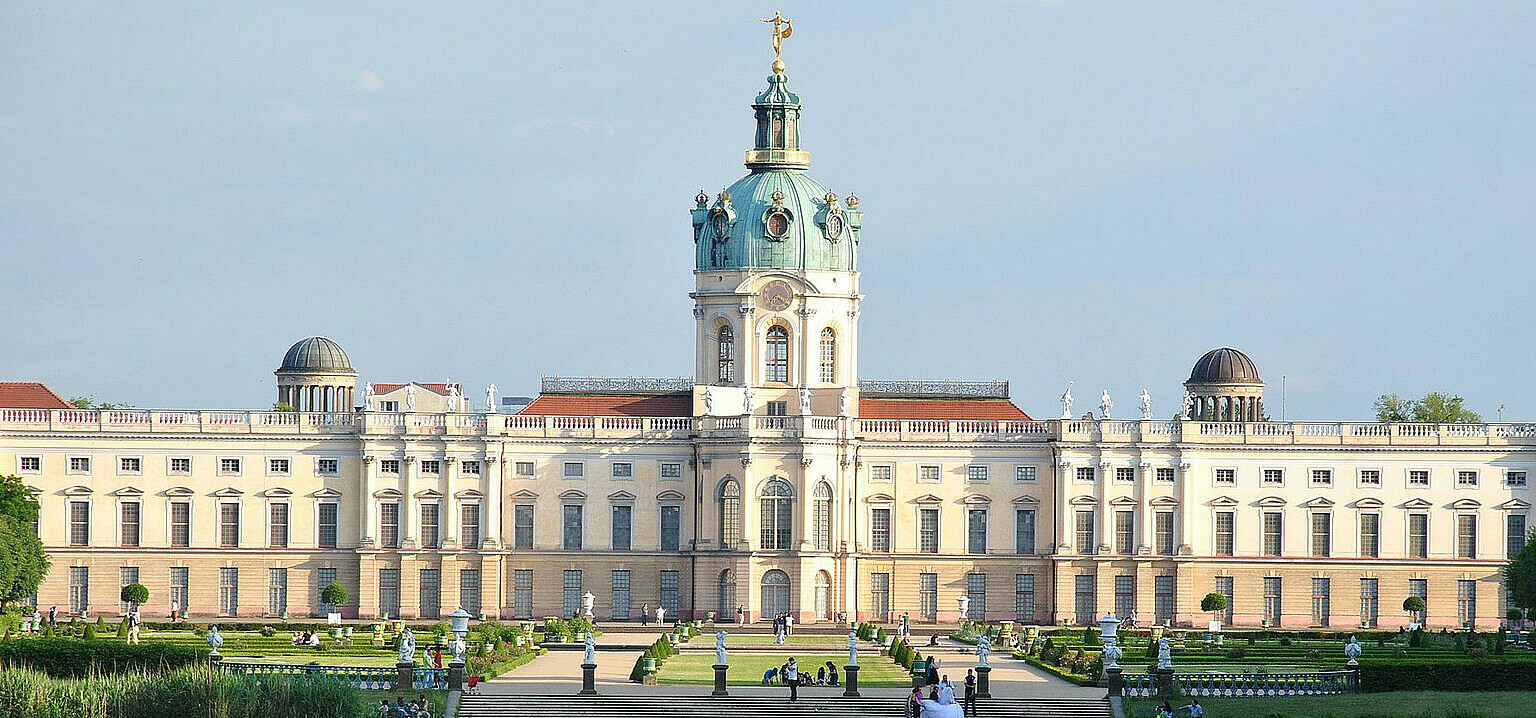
69,658
1462,675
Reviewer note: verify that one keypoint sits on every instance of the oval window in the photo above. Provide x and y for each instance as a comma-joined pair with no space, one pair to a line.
778,225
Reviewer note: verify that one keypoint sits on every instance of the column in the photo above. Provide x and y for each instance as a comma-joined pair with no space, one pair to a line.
367,534
1144,529
409,506
1186,503
1105,524
492,507
1064,527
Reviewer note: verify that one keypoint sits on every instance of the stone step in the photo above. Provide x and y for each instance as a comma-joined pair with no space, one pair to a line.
512,706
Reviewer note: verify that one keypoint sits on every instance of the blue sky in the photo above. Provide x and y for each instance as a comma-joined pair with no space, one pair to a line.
1053,190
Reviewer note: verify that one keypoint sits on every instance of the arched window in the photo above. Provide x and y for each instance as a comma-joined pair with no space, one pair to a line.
776,366
776,515
828,355
821,516
775,593
726,372
727,610
730,515
823,596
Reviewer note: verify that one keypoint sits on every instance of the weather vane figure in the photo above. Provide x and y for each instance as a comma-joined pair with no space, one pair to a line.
781,30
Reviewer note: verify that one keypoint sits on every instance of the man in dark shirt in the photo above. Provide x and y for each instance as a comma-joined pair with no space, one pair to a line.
970,693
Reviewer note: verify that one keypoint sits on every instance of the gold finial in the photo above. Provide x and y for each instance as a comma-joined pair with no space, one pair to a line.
781,29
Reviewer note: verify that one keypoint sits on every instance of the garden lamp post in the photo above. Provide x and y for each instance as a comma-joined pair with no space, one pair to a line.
459,622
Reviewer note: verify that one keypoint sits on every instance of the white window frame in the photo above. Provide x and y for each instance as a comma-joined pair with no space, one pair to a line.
1077,474
517,468
170,521
1312,476
1525,478
1429,478
320,471
1360,538
890,474
289,544
24,457
118,519
1360,476
1025,474
1264,481
661,470
136,458
1216,475
239,466
340,542
1119,469
170,466
471,467
437,463
385,464
937,470
581,470
69,465
1173,475
1477,478
629,469
984,471
271,471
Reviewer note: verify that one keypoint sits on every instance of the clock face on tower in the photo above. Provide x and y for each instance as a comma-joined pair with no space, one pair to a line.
777,295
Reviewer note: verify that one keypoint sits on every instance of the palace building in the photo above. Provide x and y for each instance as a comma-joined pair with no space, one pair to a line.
775,479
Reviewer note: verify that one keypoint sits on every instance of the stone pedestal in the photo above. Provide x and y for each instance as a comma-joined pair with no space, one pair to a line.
983,681
1115,681
850,681
588,679
1163,679
455,676
405,676
719,690
215,659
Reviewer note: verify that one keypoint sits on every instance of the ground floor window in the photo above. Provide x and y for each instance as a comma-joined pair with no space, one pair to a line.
727,608
1125,595
880,596
469,590
1224,587
125,575
431,602
775,593
389,592
1086,609
1271,600
277,591
323,577
669,592
229,591
618,597
1162,599
1024,597
571,603
522,593
1419,587
179,585
1369,605
928,596
976,590
823,596
79,589
1321,591
1466,603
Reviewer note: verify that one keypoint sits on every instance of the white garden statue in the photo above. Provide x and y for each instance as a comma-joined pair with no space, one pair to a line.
1105,404
853,648
589,649
983,651
1164,655
1352,651
720,649
1146,404
490,398
407,647
215,640
1066,402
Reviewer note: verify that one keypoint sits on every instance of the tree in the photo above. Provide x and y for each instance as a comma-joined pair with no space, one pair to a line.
1414,604
89,402
1520,576
1213,603
134,594
333,594
282,406
1435,408
23,564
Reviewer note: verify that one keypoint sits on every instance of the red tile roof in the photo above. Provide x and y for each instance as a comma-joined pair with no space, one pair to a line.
611,405
30,395
958,409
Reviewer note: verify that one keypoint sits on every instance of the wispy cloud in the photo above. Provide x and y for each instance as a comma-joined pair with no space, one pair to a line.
369,82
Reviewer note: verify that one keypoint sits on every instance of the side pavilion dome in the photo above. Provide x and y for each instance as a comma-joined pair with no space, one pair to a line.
1224,365
316,355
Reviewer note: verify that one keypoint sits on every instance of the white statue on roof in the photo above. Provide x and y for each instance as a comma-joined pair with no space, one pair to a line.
746,401
410,396
805,401
453,396
842,403
490,398
367,396
1146,404
1105,404
709,401
1066,402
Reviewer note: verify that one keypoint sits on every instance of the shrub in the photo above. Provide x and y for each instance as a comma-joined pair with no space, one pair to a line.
1213,602
1447,675
90,632
1238,652
134,593
334,594
1285,640
1416,638
196,690
62,657
1091,637
267,631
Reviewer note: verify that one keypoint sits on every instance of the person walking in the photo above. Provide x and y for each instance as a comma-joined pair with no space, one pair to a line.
645,614
970,692
792,674
741,617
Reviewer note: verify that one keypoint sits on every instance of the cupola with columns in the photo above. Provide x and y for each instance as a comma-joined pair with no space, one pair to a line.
316,375
1224,385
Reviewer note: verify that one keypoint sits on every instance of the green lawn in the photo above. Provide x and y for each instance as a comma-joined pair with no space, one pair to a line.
753,639
1511,704
695,669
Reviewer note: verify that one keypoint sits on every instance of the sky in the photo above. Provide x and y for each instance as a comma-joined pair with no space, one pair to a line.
1053,191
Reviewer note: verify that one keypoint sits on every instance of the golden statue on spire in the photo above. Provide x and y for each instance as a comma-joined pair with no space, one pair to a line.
781,29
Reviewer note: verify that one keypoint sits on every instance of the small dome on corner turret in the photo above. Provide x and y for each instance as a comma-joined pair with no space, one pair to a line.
316,355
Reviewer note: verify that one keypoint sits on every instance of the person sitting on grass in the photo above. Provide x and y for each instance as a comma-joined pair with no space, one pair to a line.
314,639
769,675
1195,711
384,710
821,675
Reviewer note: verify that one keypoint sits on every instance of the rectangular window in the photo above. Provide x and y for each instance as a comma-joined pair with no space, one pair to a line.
1224,531
1322,534
928,596
129,514
469,468
79,523
323,577
778,408
1514,478
229,467
1024,474
976,531
277,467
671,470
928,530
1024,597
623,470
1085,474
1322,477
1419,587
180,466
1125,532
469,590
1321,590
574,470
389,592
522,593
1271,600
1085,603
523,468
431,466
181,581
1514,535
1024,531
389,525
1226,476
1162,599
277,591
571,593
1163,475
881,472
1125,474
1273,477
328,516
1370,606
1418,477
1165,542
431,599
1224,587
1466,603
1418,535
125,575
277,529
431,524
327,467
229,591
618,599
880,596
229,525
1370,477
389,466
623,517
976,591
1273,536
1086,540
29,464
130,465
1466,536
469,525
1466,479
522,526
975,473
669,592
1125,594
928,472
1370,535
181,524
671,527
79,464
880,530
572,527
79,589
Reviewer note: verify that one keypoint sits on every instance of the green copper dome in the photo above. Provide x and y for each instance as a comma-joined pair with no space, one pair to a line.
776,217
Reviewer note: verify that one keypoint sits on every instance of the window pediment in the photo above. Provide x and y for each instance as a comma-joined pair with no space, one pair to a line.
1084,500
524,494
1466,504
468,494
326,493
977,499
879,499
1270,501
228,491
670,496
573,495
184,491
1029,500
1319,502
276,492
79,491
1417,504
1122,501
927,499
1164,501
1369,502
1223,501
128,491
621,497
428,494
1514,505
387,494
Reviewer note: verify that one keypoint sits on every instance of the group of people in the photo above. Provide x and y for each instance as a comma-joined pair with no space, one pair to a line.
647,613
418,708
940,701
783,625
789,674
307,637
1166,710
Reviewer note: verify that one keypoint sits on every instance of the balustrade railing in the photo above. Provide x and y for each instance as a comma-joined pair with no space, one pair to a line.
1243,685
362,677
